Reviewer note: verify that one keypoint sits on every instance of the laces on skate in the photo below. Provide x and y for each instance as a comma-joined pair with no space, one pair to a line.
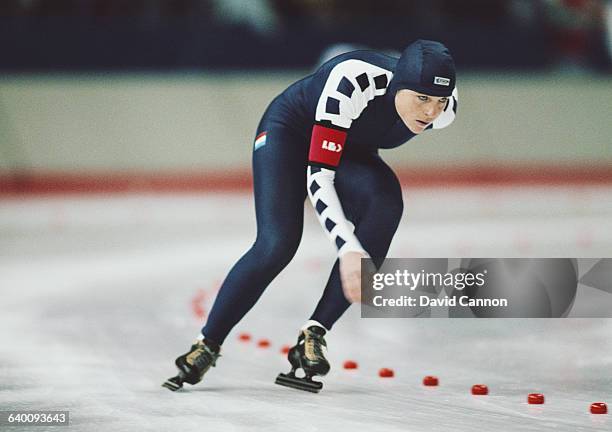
194,364
307,355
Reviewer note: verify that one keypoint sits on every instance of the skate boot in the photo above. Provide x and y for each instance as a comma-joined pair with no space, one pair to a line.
309,355
194,364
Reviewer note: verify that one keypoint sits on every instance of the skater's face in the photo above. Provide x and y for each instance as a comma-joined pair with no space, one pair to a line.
418,110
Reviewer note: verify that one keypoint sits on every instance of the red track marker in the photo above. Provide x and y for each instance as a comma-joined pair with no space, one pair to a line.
197,302
350,364
263,343
386,373
599,408
244,337
535,399
480,390
285,349
430,381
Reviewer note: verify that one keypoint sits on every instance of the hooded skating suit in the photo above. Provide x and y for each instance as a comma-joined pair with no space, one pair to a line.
320,139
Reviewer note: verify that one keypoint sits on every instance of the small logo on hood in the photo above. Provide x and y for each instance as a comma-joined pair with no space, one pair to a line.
442,81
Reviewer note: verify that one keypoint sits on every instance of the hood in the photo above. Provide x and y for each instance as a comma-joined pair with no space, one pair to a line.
425,67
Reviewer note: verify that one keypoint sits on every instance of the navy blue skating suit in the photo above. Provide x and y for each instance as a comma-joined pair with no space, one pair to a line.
320,139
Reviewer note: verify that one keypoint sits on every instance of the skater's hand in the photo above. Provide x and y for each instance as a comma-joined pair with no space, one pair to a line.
350,275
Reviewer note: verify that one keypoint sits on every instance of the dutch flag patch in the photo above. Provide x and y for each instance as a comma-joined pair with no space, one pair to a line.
260,140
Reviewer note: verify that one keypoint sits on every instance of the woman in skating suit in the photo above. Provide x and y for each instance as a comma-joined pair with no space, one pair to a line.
319,139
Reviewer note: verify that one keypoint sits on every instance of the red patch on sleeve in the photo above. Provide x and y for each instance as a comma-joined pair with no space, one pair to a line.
326,145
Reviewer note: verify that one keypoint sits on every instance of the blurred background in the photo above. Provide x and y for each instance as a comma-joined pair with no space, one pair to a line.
126,134
101,95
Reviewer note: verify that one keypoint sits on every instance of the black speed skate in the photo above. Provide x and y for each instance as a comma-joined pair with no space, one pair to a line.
194,364
308,355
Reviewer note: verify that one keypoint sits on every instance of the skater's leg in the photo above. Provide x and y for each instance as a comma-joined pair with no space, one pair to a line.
371,197
279,179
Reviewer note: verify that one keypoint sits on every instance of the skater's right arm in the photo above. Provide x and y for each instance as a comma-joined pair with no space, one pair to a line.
349,87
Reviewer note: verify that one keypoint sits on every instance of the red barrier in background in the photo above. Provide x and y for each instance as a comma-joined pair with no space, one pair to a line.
41,183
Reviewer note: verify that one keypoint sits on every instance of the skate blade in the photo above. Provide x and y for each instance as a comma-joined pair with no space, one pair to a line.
173,384
298,383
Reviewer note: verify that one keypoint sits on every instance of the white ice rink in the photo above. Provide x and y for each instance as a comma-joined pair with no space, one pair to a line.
100,294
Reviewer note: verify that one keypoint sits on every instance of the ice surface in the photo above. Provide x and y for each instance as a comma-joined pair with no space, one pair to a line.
97,299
